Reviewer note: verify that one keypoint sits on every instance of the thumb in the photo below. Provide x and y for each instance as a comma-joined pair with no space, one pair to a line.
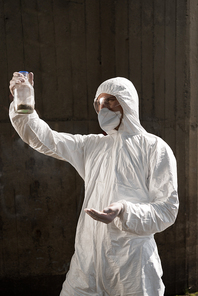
31,78
107,210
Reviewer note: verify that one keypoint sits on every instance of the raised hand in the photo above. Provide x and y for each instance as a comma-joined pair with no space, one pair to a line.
18,78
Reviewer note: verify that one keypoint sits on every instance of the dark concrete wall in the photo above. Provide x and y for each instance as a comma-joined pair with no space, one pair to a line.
72,46
190,204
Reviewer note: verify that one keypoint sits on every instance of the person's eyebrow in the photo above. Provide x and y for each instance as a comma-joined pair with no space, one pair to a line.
111,97
98,99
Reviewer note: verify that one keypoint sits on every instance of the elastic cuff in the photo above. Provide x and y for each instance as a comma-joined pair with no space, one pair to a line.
120,220
123,208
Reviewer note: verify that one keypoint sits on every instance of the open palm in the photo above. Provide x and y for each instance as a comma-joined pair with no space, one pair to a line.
108,214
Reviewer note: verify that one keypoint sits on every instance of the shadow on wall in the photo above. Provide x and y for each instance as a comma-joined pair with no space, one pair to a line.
31,286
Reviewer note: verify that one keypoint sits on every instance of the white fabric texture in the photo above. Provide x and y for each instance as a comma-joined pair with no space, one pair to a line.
130,166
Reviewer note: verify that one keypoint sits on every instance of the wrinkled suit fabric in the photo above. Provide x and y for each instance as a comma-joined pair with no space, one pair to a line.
130,166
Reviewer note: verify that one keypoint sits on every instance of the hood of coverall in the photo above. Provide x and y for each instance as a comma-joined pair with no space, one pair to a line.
126,94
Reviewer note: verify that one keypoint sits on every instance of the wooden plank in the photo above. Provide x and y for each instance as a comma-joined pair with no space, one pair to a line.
121,39
135,46
164,82
107,39
57,196
170,94
28,203
159,65
4,98
193,134
62,31
37,203
14,36
48,60
93,63
181,141
9,235
78,59
147,103
168,125
13,42
193,147
34,190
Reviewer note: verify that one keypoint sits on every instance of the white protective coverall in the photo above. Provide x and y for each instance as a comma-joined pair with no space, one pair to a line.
130,166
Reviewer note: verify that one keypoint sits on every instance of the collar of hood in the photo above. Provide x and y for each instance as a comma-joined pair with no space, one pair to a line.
126,94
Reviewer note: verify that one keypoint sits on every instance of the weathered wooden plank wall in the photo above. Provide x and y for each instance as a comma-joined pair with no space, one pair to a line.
192,148
72,46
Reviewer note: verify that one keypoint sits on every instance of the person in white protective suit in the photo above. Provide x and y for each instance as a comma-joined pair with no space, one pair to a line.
130,194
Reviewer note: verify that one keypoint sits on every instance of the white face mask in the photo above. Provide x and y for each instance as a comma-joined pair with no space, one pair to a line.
109,120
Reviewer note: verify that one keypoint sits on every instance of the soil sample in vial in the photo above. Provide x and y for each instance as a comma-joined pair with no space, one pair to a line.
24,109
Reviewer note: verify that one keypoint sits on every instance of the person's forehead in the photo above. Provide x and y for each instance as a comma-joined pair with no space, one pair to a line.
105,95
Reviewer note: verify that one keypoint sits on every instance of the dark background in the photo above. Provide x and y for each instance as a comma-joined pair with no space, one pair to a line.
72,46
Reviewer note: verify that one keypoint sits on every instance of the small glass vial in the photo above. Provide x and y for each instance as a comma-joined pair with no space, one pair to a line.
24,96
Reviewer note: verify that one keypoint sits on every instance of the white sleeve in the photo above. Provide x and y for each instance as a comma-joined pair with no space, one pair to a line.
149,218
36,133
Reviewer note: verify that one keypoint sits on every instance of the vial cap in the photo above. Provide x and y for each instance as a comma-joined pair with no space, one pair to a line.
25,73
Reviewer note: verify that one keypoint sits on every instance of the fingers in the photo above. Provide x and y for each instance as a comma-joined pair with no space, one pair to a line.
101,216
19,78
16,79
98,216
17,74
108,214
31,78
93,213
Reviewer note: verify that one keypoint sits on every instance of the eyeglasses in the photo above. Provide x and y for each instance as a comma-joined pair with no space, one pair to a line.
106,102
